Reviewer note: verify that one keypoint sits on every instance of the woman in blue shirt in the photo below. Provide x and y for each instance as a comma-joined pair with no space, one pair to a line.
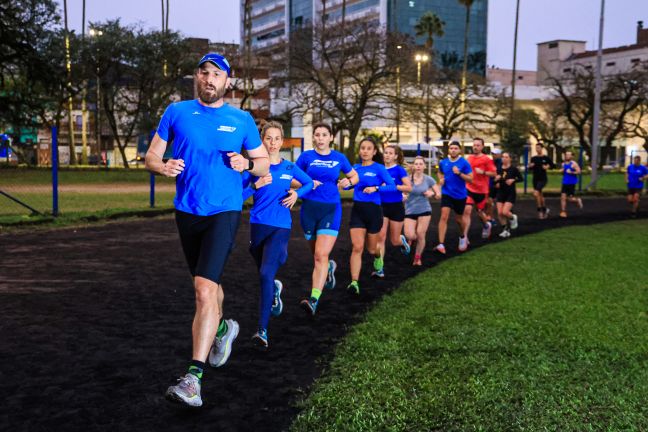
321,210
366,215
392,202
270,223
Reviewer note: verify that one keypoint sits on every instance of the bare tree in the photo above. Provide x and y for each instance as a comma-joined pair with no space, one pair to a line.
344,72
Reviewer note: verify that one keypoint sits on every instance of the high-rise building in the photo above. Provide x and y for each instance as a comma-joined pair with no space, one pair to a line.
271,21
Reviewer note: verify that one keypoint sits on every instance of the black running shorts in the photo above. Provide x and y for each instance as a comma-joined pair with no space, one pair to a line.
632,191
568,189
458,205
415,216
366,215
539,184
504,196
394,211
207,241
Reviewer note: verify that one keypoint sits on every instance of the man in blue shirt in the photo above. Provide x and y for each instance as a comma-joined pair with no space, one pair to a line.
207,137
454,173
636,174
570,170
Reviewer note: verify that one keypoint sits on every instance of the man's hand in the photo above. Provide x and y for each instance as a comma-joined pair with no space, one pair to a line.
173,167
238,162
455,170
263,181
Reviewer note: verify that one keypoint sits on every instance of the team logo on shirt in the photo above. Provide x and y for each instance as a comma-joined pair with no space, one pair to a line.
226,128
286,177
195,113
370,174
324,164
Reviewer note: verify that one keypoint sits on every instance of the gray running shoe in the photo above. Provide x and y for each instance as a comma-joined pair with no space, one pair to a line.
186,392
514,222
222,347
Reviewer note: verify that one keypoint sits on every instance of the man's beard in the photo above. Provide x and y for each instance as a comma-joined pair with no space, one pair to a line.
210,98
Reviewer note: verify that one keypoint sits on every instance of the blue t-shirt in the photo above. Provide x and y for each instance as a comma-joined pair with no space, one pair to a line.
634,174
372,175
397,173
569,178
326,169
202,136
453,185
267,208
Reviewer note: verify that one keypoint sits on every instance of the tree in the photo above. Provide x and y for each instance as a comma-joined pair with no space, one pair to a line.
135,89
344,73
430,26
27,28
621,95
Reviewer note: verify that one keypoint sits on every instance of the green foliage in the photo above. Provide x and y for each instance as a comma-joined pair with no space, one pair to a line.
430,26
545,332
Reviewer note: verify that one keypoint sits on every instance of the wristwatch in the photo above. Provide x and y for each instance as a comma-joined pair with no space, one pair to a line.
250,165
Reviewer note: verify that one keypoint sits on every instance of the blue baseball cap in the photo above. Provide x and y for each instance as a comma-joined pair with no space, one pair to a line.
218,60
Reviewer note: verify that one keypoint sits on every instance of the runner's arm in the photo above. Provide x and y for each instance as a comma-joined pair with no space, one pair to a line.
305,181
154,163
406,186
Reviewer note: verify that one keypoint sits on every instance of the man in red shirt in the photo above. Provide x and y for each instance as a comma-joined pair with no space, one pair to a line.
483,168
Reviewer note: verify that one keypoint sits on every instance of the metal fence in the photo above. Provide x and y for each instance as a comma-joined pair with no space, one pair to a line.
36,193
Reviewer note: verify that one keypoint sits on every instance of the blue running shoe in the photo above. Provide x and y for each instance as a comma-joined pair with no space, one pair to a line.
330,277
309,305
277,304
378,274
405,249
260,338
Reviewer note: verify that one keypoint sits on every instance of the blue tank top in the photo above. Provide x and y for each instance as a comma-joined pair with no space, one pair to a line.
568,178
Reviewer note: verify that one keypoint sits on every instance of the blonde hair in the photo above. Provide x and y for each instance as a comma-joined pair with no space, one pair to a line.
271,125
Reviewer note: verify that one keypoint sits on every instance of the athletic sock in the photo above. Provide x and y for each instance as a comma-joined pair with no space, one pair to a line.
222,329
378,263
196,368
316,293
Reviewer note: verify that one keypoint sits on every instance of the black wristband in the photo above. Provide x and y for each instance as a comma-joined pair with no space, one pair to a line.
251,165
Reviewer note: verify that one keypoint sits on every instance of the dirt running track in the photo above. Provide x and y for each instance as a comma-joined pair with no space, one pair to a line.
95,324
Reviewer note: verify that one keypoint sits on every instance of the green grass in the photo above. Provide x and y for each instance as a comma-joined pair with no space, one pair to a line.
77,206
545,332
42,176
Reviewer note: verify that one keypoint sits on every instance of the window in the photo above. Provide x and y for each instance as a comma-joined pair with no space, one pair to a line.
635,60
553,45
610,64
588,67
567,70
412,4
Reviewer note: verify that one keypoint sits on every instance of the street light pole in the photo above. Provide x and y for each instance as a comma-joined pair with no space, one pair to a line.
97,33
424,58
597,102
398,96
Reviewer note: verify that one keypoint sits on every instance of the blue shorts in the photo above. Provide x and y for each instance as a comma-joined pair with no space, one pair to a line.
318,218
207,241
269,242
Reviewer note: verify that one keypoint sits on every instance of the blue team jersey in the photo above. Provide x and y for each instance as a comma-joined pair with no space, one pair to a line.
202,137
568,178
326,169
372,175
635,172
267,208
397,173
453,185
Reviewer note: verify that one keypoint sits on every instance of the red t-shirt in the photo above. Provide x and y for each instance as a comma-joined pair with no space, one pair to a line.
480,182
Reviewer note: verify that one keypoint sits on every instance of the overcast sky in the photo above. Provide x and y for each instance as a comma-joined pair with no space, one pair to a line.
540,20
